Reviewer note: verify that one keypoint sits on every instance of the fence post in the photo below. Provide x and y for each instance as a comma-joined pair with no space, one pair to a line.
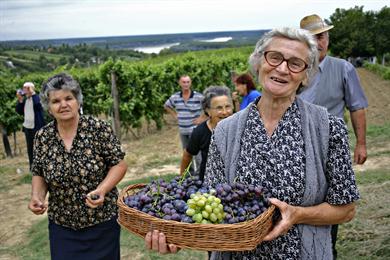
114,94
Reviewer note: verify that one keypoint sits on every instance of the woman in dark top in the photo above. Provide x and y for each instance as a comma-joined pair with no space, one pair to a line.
217,105
78,161
296,150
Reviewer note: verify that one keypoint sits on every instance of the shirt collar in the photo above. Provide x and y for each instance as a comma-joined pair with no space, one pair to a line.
322,63
192,94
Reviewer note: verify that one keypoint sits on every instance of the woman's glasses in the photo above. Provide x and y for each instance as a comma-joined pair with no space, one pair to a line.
220,109
294,64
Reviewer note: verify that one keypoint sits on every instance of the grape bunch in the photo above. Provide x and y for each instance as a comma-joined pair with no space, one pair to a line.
242,202
205,208
167,200
186,199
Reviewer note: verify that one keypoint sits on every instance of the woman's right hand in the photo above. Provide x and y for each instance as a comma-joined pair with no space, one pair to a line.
37,206
155,240
235,96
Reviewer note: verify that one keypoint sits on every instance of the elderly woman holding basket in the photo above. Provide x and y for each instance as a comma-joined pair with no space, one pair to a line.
294,149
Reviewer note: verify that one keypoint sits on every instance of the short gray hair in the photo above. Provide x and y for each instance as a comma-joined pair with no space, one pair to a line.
61,81
301,35
211,92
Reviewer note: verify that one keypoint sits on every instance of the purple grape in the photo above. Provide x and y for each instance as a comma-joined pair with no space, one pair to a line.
226,187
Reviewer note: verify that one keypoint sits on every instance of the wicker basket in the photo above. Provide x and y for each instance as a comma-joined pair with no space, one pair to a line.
211,237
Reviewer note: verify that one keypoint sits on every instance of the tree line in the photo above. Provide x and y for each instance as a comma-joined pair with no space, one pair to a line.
359,33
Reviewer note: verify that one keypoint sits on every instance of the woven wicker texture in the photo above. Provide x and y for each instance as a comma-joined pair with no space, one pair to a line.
211,237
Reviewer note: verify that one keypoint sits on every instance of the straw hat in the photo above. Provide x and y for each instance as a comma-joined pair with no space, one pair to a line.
314,24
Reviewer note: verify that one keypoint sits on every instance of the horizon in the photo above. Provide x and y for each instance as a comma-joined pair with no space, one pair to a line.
123,36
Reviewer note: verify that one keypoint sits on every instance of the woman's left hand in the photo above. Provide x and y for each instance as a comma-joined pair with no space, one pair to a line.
95,199
288,216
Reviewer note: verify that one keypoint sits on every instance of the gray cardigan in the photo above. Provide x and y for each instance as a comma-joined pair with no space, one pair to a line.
316,240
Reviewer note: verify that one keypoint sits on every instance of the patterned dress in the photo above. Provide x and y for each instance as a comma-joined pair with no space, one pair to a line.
70,175
278,163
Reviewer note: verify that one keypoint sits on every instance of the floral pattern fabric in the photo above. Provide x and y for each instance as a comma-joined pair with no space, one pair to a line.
70,175
278,163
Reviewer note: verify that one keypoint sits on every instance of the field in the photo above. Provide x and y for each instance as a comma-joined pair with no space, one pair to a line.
24,235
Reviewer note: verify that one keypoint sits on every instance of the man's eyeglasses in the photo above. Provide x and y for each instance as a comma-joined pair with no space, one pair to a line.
294,64
222,108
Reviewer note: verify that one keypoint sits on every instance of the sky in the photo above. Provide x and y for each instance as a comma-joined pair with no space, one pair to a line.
55,19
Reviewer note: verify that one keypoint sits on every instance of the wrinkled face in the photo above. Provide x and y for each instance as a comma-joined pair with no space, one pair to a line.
63,105
279,81
322,44
241,89
185,83
220,108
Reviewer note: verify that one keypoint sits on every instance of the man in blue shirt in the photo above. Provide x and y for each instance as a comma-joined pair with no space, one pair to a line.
336,86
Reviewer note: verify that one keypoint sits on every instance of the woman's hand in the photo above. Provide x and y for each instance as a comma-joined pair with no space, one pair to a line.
156,241
235,96
37,206
288,217
95,199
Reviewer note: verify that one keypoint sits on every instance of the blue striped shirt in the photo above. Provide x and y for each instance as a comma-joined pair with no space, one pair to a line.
186,111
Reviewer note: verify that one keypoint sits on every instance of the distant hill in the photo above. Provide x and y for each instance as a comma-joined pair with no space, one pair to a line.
239,38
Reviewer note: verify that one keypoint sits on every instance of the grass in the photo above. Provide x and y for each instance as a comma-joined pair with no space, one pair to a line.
159,162
377,136
7,181
367,236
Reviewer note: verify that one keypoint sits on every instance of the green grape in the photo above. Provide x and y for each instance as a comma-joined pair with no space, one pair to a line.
205,221
213,217
205,208
208,208
201,203
214,205
197,217
190,212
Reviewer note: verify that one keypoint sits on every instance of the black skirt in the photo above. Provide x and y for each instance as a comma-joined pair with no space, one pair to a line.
98,242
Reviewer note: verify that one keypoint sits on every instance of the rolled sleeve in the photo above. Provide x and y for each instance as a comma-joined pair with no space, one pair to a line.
169,103
354,95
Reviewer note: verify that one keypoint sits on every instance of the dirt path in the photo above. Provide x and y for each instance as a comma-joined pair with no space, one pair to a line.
378,94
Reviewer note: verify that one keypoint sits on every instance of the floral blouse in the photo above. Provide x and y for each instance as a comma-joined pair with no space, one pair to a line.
70,175
278,163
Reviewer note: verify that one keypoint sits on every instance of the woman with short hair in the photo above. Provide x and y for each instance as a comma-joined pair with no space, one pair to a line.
77,160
